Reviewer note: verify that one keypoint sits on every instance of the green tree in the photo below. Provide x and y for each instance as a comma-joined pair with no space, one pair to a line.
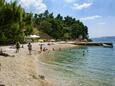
46,27
15,23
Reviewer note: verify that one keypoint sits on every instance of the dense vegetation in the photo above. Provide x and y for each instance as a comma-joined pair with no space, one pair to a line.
60,27
15,24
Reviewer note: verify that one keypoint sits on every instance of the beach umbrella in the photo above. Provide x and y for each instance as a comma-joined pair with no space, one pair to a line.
41,40
31,38
34,36
52,40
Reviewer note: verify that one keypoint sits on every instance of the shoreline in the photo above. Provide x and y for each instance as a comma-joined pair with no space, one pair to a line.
23,69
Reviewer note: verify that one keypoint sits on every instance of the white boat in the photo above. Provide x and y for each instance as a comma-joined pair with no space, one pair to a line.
106,45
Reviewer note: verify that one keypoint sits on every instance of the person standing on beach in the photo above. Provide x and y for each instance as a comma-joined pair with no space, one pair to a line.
17,47
41,47
29,48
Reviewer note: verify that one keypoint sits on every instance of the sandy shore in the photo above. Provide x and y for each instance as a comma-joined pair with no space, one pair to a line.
23,69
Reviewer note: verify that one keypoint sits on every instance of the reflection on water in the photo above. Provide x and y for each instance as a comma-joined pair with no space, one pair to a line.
86,66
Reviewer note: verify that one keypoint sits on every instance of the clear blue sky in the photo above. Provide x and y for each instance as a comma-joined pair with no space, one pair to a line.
98,15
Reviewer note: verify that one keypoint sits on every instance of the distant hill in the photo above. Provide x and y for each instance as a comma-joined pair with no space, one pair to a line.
105,39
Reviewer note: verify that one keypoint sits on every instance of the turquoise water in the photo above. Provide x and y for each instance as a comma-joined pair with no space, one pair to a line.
84,66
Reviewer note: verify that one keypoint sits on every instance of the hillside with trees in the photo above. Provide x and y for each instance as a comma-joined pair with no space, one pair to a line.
15,24
60,27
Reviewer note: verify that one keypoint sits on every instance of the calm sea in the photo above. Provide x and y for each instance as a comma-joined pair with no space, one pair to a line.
84,66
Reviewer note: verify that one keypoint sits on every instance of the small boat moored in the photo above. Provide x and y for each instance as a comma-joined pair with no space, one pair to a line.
108,46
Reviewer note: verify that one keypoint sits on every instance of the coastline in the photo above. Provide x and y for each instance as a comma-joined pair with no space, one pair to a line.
24,69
